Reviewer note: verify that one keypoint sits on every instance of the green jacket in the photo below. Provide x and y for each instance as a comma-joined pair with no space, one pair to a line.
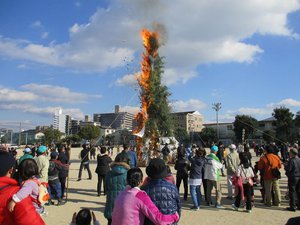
25,156
115,182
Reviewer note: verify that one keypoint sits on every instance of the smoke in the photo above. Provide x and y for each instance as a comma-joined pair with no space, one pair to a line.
162,31
150,14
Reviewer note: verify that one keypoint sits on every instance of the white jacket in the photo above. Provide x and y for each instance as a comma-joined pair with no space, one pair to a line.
211,169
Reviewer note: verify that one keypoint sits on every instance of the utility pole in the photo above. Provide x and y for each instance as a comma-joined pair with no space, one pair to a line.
217,106
20,133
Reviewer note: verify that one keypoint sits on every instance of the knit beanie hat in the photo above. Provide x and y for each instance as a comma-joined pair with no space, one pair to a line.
214,148
157,169
42,149
7,161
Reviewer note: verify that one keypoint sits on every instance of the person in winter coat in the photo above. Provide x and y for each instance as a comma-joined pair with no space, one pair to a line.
115,182
266,162
55,167
293,174
197,167
27,155
212,175
163,193
138,204
29,174
43,163
124,154
64,172
245,171
232,162
103,161
182,166
133,157
85,162
24,212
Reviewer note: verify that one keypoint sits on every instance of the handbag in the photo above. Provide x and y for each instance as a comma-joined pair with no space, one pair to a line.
275,171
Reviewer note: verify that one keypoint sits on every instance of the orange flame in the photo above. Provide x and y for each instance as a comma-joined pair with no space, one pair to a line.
150,40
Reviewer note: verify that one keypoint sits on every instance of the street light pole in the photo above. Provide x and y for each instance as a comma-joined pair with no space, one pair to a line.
217,106
20,134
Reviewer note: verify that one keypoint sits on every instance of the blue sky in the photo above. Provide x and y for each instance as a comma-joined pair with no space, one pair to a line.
83,56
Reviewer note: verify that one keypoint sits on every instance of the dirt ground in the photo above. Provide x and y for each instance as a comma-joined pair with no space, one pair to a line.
83,194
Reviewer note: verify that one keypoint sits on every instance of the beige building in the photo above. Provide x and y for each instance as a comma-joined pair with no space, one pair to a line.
191,121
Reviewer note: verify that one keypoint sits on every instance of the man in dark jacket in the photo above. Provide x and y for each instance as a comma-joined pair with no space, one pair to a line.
293,174
24,212
182,166
85,162
64,173
163,194
103,161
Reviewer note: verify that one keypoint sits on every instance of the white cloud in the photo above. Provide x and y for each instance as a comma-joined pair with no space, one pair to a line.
172,76
288,102
57,93
127,80
189,105
15,125
131,109
36,24
11,95
45,35
43,92
43,111
77,4
195,35
258,113
22,66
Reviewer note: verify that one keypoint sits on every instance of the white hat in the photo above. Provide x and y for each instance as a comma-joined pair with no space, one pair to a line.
27,150
232,146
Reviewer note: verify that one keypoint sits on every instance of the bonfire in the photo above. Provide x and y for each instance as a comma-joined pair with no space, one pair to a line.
153,119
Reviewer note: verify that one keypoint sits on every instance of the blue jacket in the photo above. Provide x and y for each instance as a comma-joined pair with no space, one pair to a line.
164,195
133,159
197,167
115,182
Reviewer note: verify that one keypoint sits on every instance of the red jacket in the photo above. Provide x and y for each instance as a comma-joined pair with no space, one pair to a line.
24,212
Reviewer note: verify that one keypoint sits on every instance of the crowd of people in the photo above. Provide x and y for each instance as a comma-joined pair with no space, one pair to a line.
154,199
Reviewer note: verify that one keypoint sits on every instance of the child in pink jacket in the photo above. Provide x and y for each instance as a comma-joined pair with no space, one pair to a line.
132,205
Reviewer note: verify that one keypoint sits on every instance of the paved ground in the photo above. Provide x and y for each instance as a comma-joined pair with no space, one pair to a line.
83,194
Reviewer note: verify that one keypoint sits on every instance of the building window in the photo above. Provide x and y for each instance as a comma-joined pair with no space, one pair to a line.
229,127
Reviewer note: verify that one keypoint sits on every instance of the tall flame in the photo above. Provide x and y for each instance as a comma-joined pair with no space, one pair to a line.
150,40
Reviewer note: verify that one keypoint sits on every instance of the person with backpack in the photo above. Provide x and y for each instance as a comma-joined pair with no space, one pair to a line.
245,171
103,162
24,212
266,163
29,173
